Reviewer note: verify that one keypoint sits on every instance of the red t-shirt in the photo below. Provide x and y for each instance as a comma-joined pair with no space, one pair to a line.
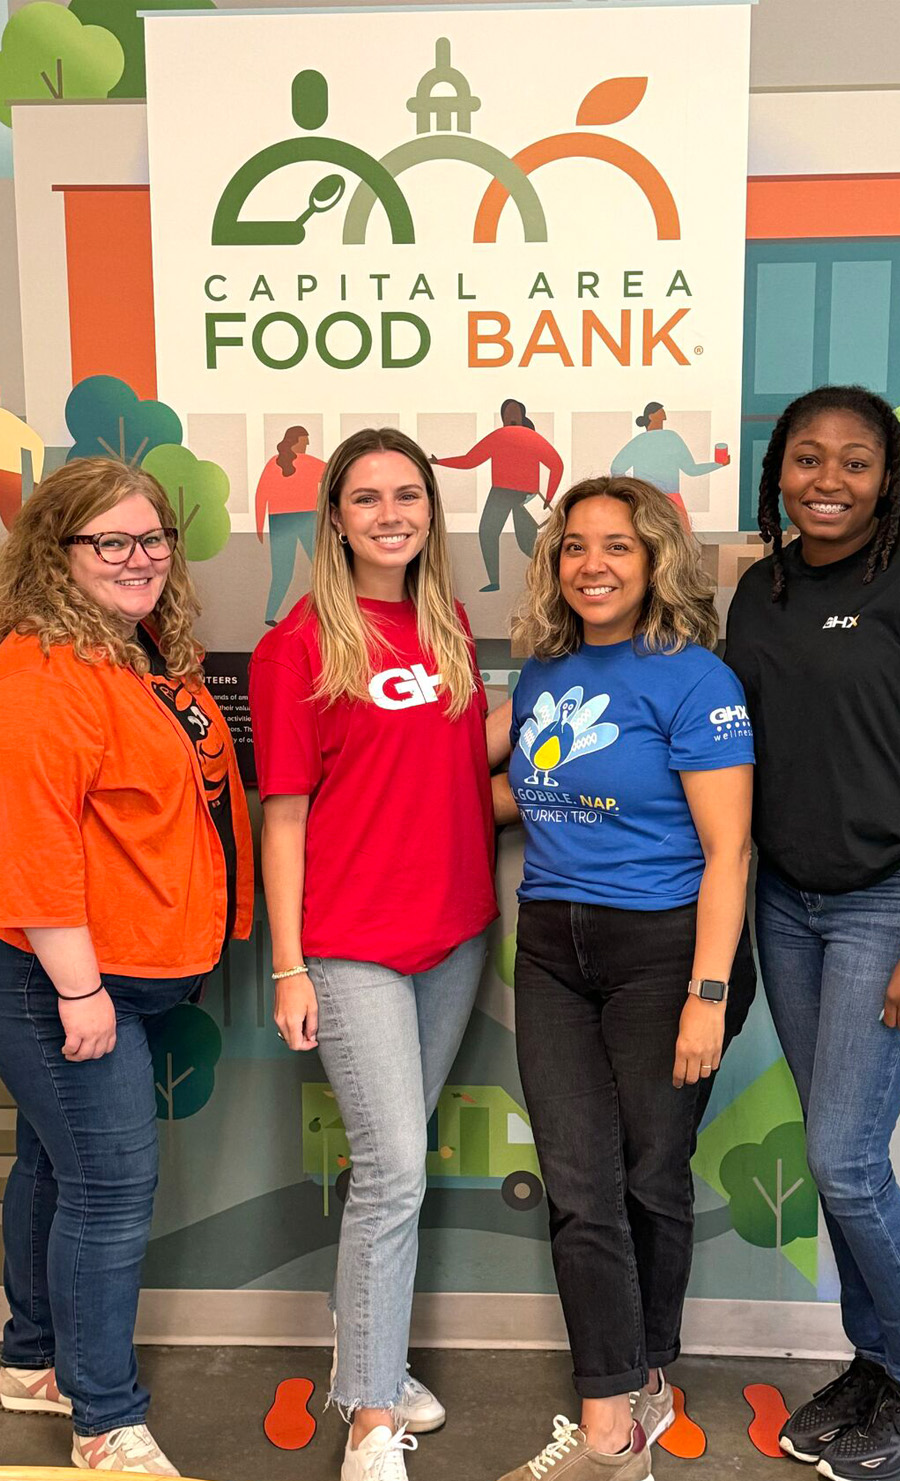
400,834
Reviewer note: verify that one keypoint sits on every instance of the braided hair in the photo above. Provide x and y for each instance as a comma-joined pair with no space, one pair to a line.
880,417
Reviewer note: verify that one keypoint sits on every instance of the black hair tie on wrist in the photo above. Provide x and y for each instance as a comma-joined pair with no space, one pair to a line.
80,996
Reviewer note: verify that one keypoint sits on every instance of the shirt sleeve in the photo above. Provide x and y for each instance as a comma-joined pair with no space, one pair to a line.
286,741
51,748
711,728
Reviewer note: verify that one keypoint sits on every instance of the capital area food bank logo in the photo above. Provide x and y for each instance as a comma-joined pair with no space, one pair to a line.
443,106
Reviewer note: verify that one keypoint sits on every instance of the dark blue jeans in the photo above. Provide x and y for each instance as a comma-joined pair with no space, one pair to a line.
79,1200
826,961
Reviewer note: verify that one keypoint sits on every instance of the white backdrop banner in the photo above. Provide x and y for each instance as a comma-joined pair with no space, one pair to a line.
414,217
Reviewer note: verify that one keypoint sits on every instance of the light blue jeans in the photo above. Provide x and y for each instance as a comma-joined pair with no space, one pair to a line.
387,1043
826,961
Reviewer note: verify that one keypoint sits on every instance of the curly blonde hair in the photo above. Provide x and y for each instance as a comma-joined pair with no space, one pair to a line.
348,639
679,607
39,596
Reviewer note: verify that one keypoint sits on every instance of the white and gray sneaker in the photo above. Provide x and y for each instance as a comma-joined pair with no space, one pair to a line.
418,1410
32,1391
379,1457
130,1448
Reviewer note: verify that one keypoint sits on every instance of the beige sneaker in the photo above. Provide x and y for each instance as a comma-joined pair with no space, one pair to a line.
32,1391
570,1455
654,1412
131,1448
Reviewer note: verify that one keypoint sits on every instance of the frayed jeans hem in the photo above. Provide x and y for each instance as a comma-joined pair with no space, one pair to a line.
347,1407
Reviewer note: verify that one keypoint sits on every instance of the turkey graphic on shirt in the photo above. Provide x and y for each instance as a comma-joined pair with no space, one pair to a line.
559,732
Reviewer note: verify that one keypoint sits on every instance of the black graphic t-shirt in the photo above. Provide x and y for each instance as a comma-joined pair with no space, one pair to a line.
211,754
821,672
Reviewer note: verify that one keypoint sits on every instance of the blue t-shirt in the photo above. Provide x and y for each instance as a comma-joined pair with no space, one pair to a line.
598,741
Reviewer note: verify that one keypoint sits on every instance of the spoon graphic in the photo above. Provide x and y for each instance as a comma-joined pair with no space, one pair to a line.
324,195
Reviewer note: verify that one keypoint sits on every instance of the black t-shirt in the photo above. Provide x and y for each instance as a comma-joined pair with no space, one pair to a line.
178,699
821,671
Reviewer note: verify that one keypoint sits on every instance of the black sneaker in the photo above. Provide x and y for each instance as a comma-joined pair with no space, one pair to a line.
845,1401
870,1447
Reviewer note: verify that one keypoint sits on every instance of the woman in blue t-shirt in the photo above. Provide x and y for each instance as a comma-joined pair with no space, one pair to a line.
631,769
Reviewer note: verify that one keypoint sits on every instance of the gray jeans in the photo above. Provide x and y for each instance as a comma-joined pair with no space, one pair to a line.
500,503
387,1043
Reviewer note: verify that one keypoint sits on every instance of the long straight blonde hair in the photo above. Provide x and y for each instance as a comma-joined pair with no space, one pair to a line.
349,641
679,607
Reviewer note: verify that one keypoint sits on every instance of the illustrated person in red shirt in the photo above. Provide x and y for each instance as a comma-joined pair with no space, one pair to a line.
516,453
287,490
377,854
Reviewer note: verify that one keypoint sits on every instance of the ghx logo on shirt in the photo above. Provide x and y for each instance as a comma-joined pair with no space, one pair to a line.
840,622
401,689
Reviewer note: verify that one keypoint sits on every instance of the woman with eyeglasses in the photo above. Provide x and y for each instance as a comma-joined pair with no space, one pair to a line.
125,866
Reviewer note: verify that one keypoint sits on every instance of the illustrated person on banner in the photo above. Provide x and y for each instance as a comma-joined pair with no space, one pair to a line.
516,453
287,492
126,865
660,456
814,636
631,770
378,862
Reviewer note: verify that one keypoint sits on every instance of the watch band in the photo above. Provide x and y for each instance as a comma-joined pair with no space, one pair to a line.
709,989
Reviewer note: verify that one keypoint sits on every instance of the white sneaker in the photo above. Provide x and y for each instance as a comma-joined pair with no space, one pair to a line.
379,1457
131,1448
32,1391
418,1410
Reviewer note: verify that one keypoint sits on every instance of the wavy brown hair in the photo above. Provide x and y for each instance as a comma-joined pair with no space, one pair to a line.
679,607
39,596
349,641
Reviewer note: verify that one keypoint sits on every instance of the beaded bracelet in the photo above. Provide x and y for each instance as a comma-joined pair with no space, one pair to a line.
291,972
79,996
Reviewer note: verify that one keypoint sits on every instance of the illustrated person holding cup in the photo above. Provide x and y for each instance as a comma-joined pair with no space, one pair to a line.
662,457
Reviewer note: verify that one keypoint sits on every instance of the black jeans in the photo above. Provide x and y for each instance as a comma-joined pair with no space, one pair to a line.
599,994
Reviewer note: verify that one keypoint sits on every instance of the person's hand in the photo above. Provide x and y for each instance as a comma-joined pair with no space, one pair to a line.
892,1000
90,1026
297,1011
699,1046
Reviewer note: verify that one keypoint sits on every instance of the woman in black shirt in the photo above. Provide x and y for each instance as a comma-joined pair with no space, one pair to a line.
814,636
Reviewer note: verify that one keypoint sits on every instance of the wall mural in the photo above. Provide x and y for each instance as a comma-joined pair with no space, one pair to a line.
204,314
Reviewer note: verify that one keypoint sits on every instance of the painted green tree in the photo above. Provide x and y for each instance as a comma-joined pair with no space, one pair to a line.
198,492
46,52
123,18
773,1197
186,1045
108,420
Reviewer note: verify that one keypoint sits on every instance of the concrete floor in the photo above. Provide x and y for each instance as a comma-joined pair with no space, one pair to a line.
209,1405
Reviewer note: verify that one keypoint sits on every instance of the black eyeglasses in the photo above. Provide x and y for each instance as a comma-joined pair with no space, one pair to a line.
116,548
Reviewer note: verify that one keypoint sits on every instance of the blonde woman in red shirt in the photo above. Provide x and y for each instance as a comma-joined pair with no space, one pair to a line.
369,721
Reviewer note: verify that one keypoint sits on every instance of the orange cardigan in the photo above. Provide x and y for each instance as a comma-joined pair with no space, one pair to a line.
104,820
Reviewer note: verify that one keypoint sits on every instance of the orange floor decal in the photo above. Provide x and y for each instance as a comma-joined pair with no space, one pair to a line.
289,1424
684,1438
769,1414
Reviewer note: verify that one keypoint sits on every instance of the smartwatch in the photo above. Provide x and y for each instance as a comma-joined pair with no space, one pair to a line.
708,989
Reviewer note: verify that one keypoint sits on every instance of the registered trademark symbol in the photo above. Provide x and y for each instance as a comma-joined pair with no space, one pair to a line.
698,349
